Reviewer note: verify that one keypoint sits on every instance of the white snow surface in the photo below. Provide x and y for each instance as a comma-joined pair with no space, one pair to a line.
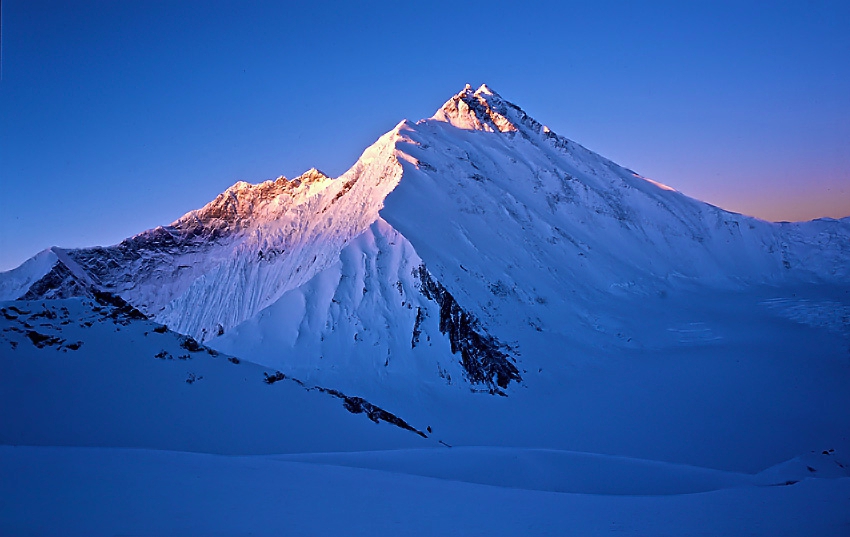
221,264
98,414
684,369
95,492
279,235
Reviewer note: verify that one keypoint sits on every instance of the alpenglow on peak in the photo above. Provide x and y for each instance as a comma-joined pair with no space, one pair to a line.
482,109
485,110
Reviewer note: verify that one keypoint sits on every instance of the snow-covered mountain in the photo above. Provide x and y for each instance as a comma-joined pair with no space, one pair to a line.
452,244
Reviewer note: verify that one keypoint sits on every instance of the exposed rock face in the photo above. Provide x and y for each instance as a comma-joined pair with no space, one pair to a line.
481,354
60,282
355,405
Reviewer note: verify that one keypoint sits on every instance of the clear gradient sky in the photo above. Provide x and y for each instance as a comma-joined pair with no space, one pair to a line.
117,116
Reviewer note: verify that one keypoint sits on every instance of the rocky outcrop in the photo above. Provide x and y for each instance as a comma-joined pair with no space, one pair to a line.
58,283
355,405
483,357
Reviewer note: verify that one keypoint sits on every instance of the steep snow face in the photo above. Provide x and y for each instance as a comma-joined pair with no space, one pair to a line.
283,241
50,274
373,320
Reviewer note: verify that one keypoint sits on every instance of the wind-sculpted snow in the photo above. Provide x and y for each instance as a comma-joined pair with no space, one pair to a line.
264,240
373,317
146,492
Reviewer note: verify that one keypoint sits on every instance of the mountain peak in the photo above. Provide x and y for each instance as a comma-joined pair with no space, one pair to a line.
485,90
313,174
485,110
482,109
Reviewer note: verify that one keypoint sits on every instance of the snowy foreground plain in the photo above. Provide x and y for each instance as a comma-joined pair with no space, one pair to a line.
702,436
94,491
482,328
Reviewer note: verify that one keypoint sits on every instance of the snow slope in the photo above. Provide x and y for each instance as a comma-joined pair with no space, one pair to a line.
536,216
83,372
482,181
373,319
477,251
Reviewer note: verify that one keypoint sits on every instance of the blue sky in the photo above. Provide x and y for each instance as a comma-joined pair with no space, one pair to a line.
117,116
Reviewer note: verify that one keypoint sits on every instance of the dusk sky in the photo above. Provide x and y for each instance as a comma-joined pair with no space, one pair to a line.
118,116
